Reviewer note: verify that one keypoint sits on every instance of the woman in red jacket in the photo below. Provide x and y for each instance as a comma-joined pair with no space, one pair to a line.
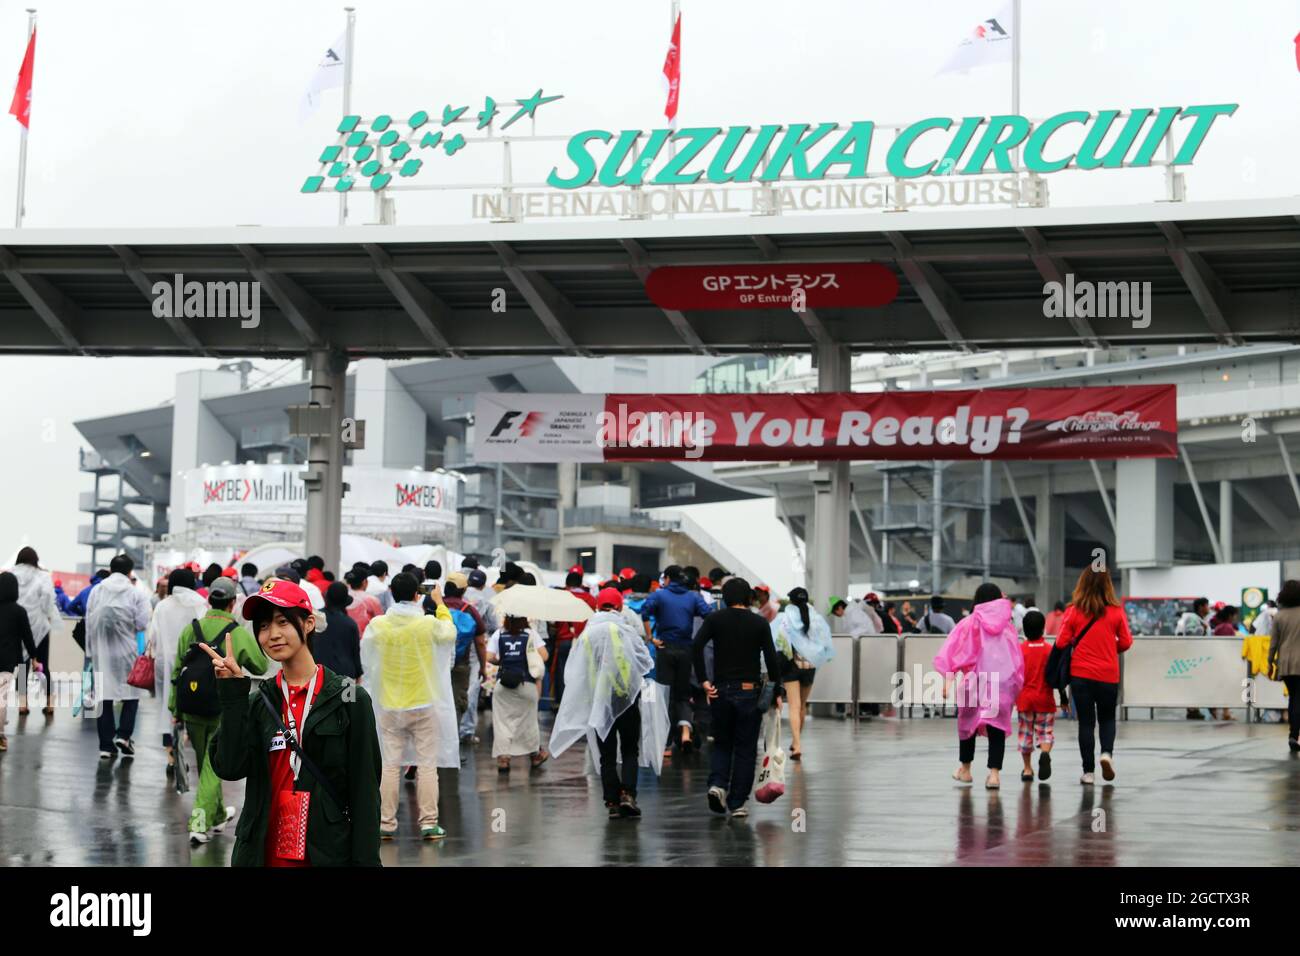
1095,626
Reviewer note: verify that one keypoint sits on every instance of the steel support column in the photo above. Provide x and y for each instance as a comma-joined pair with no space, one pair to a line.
324,475
986,543
936,532
1225,519
830,566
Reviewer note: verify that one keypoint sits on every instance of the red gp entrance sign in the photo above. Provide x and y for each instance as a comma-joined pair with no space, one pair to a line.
822,285
960,425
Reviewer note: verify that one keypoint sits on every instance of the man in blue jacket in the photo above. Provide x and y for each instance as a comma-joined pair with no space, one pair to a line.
674,608
77,606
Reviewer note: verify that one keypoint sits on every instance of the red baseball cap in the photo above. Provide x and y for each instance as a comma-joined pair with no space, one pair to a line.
706,584
229,573
627,573
610,596
279,593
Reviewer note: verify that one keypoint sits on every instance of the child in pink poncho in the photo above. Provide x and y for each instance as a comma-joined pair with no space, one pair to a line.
983,654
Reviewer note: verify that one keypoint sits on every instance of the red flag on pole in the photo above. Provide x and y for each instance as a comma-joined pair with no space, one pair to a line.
21,107
673,72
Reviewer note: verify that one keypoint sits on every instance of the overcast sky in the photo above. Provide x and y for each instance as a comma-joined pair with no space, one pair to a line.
152,113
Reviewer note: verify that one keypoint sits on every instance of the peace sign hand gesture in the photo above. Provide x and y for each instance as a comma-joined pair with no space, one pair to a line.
224,667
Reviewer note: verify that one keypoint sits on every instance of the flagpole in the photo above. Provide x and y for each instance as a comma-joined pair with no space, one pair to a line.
22,142
347,94
1015,75
674,12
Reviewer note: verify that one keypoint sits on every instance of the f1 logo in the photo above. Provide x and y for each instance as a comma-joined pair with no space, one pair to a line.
515,424
505,423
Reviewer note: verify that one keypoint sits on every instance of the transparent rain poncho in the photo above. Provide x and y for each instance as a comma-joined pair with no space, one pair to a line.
406,667
174,616
116,612
813,645
605,675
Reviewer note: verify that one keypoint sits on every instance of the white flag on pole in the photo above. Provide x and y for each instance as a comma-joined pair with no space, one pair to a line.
328,76
988,41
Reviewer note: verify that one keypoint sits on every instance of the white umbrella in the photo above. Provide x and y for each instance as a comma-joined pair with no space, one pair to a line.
535,601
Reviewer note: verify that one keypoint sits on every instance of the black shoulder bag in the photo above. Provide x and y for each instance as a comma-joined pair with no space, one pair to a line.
1058,661
292,741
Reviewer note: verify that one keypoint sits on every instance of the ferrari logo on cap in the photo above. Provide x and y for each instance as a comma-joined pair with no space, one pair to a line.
268,586
194,686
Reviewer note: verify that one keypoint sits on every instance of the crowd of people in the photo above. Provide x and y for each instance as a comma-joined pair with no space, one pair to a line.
323,694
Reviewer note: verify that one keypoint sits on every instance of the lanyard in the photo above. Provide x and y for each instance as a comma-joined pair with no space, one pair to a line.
295,762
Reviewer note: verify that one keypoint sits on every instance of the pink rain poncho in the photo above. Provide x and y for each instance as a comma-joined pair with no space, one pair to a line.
984,650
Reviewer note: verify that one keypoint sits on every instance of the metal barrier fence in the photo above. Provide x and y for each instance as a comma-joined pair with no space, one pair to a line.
1160,671
1157,671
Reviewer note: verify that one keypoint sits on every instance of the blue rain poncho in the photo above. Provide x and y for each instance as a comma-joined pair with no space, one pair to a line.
813,645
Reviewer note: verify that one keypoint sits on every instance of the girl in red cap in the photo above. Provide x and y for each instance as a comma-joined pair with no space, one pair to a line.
306,741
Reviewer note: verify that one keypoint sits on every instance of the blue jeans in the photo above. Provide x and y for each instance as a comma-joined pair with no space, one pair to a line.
736,723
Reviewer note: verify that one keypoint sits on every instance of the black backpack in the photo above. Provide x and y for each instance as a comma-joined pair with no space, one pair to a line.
196,681
514,668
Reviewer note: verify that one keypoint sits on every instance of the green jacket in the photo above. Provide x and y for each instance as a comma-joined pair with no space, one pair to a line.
339,737
247,651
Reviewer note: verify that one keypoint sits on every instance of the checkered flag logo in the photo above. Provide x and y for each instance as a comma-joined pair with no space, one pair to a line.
388,149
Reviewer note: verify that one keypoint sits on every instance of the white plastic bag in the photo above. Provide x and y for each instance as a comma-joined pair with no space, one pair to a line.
771,775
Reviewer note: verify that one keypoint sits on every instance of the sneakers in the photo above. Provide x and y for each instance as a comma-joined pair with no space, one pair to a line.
612,807
199,837
1086,780
1107,767
1044,765
1293,744
627,806
124,744
107,754
740,811
717,800
434,832
387,835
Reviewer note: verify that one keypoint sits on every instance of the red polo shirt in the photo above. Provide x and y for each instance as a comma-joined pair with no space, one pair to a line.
278,760
568,630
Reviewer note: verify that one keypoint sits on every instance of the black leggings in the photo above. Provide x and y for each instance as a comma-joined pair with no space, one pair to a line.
43,656
1293,705
1094,702
997,748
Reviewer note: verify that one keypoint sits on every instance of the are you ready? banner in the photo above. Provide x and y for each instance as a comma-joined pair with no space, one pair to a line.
1047,423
